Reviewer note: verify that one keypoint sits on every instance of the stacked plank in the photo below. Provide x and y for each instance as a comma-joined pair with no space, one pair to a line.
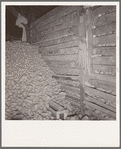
100,88
29,84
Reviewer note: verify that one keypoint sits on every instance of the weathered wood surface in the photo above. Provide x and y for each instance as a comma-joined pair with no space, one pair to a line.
92,100
103,10
75,78
104,29
62,15
111,60
61,58
103,85
52,28
63,64
98,93
100,108
69,44
105,19
65,71
58,34
51,42
47,15
107,40
63,51
105,51
104,69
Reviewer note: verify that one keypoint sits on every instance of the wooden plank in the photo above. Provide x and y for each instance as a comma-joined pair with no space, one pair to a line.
70,64
103,10
69,81
47,43
98,93
100,108
52,27
92,100
49,14
104,29
105,51
58,34
75,78
105,40
72,89
105,19
70,44
104,60
61,58
104,85
104,69
65,51
107,78
67,14
66,71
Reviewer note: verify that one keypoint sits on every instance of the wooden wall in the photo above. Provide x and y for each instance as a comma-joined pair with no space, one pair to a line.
79,45
56,33
100,81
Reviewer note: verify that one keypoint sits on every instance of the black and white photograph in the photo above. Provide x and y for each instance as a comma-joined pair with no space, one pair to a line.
60,63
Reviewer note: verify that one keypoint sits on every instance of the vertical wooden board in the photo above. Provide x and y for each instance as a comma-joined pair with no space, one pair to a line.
107,18
105,40
103,10
110,60
104,69
104,29
105,51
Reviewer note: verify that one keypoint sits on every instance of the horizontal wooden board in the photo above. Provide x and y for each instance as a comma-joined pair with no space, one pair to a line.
58,34
66,51
103,85
70,44
105,40
103,77
66,39
72,89
75,78
104,69
103,10
98,93
105,19
52,27
49,14
61,58
70,64
110,60
65,71
104,29
100,108
68,13
92,100
69,82
105,51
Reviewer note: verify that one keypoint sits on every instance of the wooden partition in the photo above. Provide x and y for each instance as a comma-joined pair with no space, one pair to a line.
79,45
100,78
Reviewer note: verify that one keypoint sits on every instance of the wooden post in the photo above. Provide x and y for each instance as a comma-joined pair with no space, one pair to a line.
82,49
